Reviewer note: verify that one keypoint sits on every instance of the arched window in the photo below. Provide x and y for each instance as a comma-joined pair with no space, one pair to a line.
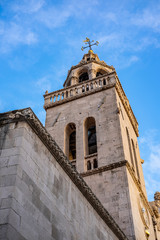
83,77
90,139
89,165
129,145
70,141
72,146
135,159
100,72
104,81
95,163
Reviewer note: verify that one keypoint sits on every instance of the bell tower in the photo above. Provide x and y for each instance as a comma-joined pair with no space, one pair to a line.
93,123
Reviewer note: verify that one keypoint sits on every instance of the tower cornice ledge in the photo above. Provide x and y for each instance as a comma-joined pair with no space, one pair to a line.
79,90
127,106
88,87
130,170
28,116
83,63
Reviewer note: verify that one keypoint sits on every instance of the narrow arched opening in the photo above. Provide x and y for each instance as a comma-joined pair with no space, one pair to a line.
89,165
70,141
129,146
90,138
83,77
135,159
95,163
100,72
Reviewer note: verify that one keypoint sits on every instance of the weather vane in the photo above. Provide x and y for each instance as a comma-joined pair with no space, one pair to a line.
89,42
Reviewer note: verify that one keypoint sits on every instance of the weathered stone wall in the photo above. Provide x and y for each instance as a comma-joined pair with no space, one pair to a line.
125,122
111,187
140,212
112,190
38,200
135,187
103,107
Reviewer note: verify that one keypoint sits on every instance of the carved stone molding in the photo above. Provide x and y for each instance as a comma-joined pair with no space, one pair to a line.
52,104
138,185
104,168
84,62
156,209
132,173
143,212
127,106
28,116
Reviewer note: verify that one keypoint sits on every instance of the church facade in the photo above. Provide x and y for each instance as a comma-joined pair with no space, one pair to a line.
92,121
95,189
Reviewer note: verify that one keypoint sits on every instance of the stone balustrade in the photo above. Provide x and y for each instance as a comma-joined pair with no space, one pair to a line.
79,89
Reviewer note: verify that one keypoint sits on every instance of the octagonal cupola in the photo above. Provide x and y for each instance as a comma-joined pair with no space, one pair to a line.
88,68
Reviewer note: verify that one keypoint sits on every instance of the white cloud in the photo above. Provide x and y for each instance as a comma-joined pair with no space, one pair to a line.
13,34
26,6
149,17
35,20
53,17
110,39
128,62
43,84
152,161
42,116
154,158
152,185
1,105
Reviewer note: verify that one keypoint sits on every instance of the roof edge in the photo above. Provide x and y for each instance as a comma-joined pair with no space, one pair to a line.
28,116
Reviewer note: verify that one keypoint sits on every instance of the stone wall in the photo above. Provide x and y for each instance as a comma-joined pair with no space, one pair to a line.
140,211
125,122
103,107
112,190
41,195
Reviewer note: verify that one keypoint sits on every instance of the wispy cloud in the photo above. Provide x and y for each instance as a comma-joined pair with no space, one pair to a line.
53,17
1,105
43,84
152,161
128,61
12,34
26,6
149,18
42,116
119,30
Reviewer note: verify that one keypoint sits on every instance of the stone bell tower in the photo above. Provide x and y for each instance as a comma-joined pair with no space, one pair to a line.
93,123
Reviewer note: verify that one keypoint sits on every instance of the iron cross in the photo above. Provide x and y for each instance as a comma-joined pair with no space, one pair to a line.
87,41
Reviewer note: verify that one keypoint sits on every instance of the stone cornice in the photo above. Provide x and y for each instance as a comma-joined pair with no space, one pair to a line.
50,105
28,116
127,106
109,84
79,84
102,63
138,185
117,165
104,168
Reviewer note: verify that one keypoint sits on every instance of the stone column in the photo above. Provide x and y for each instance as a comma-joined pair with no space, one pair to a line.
92,74
74,80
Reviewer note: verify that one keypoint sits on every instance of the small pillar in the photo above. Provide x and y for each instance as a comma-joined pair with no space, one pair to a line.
74,80
92,74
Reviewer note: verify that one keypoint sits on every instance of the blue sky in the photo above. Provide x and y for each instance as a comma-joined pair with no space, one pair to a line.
40,40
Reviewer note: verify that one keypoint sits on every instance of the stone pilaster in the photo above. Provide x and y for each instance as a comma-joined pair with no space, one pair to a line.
92,73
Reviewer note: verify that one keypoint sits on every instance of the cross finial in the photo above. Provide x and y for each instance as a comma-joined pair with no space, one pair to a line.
89,42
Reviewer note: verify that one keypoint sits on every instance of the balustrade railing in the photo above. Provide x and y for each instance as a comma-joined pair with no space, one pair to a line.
78,89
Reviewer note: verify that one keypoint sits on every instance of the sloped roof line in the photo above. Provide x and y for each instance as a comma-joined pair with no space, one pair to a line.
28,116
